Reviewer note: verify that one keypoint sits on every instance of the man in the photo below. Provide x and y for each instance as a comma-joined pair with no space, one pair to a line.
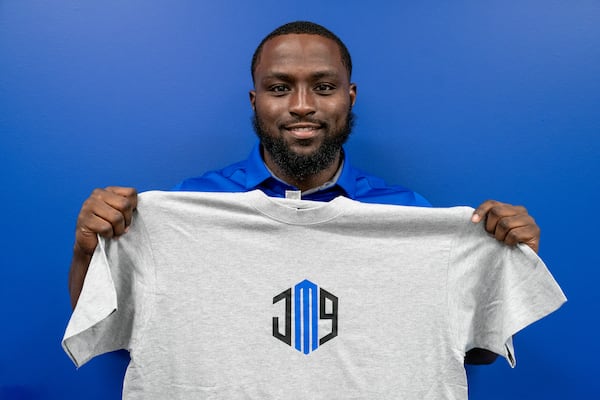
302,101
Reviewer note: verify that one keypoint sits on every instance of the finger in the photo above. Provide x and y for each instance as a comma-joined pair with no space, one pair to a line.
117,218
505,225
127,203
96,225
124,200
87,229
527,234
481,212
102,207
500,211
130,193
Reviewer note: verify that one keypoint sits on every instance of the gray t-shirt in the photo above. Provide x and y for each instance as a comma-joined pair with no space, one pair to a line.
243,296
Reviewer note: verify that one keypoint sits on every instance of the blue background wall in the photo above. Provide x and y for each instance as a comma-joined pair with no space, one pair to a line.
461,101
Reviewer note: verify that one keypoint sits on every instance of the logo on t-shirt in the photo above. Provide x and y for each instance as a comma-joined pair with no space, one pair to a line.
315,316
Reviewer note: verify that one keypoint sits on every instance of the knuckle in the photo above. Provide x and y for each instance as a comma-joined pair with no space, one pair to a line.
495,211
117,217
85,206
97,193
518,210
530,224
84,215
125,204
504,224
105,231
533,222
535,231
512,237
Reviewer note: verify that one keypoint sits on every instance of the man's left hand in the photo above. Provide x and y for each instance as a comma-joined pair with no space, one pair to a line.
509,224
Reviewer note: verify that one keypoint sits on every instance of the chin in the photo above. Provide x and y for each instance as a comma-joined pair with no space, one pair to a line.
303,151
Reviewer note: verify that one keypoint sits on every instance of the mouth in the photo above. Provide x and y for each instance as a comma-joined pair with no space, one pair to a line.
303,130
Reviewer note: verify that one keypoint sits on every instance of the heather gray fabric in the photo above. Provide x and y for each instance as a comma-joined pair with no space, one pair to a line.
193,288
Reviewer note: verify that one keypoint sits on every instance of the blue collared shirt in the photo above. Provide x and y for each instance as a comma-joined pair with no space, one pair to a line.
252,173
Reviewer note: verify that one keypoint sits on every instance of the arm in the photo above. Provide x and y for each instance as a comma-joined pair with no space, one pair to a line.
511,225
107,212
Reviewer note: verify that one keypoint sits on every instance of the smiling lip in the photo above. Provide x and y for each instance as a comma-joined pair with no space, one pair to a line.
303,131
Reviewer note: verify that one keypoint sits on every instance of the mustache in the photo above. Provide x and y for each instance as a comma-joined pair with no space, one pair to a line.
303,120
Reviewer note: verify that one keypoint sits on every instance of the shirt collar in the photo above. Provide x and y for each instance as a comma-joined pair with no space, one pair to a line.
348,177
256,170
257,173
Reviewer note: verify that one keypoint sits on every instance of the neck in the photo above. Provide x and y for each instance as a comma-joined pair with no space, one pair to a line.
306,183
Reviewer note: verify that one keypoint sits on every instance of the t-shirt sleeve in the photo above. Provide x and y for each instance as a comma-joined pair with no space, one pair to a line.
496,290
111,310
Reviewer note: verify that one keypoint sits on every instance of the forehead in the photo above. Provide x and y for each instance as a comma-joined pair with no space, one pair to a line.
300,53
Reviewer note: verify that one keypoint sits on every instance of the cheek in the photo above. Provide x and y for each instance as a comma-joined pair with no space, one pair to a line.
338,103
269,110
339,111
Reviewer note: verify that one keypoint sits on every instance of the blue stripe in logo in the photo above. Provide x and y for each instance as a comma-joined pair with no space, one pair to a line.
306,316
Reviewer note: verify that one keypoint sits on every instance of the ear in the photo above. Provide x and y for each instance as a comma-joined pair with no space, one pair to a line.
352,91
252,95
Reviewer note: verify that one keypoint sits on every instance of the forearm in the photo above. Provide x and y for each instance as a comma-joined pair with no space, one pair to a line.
79,266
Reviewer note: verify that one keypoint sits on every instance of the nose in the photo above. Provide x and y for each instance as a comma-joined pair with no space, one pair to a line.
302,103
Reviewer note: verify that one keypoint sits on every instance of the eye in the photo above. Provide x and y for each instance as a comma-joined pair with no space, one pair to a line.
279,88
324,87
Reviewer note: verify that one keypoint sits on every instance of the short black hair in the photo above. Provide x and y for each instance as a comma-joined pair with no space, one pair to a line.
309,28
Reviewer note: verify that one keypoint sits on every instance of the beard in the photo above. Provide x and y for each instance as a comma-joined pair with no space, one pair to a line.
302,166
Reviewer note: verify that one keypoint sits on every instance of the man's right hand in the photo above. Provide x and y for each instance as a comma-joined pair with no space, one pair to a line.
107,212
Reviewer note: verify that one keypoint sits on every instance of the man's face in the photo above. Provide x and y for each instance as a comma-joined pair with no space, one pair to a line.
302,103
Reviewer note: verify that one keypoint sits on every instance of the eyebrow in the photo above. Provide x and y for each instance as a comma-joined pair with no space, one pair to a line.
289,78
